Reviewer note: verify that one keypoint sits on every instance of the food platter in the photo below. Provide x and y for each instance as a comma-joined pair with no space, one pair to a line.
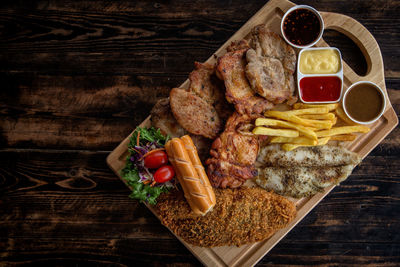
271,15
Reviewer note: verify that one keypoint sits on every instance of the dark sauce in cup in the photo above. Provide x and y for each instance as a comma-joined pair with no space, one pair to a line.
364,102
301,27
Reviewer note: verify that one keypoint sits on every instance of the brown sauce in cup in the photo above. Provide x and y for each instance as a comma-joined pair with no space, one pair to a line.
301,27
364,102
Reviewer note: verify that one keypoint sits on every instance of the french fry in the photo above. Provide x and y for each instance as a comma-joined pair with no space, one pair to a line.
272,122
313,128
303,106
334,121
294,140
320,110
306,125
290,147
342,115
286,115
343,137
275,132
343,130
319,124
323,141
327,116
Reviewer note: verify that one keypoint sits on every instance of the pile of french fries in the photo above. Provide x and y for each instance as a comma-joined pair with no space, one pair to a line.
307,125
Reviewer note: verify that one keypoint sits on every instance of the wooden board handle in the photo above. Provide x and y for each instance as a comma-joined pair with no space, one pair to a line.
364,40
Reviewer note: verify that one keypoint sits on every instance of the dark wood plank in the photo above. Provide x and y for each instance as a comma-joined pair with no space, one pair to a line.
80,112
85,116
78,76
70,205
67,41
80,73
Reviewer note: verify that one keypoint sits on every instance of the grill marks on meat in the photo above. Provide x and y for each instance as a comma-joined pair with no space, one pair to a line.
231,68
233,155
271,65
194,113
304,171
205,84
240,216
162,117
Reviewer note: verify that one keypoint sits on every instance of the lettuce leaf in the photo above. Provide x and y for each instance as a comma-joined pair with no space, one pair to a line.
148,135
140,191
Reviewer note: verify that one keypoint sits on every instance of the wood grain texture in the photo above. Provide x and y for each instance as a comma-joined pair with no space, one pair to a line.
77,76
69,204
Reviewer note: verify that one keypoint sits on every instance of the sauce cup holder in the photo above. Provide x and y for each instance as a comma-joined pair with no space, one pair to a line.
338,74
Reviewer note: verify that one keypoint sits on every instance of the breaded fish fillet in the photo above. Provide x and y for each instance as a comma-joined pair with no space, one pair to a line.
304,171
240,216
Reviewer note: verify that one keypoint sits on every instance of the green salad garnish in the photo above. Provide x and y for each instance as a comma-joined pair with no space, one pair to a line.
138,177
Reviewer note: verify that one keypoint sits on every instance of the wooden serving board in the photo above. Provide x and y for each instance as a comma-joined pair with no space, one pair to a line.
271,14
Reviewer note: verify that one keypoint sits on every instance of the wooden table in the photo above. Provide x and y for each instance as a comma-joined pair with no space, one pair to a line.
78,76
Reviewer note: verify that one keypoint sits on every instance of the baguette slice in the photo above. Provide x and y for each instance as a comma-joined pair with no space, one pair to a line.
194,191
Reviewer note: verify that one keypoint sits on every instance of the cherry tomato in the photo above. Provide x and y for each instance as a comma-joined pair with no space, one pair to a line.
164,174
155,160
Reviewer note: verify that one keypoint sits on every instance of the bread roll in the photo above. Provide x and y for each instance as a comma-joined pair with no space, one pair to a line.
195,192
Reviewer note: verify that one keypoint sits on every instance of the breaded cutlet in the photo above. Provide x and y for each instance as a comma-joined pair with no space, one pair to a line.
240,216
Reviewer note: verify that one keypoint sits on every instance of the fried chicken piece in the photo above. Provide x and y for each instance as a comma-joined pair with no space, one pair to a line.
205,84
194,113
238,45
233,155
162,117
240,216
304,171
271,65
231,68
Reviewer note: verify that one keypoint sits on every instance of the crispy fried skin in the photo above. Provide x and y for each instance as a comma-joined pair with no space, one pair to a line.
194,113
233,155
271,65
231,68
205,84
240,216
162,117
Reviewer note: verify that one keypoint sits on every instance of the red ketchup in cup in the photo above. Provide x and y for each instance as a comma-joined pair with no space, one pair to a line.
320,75
320,88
